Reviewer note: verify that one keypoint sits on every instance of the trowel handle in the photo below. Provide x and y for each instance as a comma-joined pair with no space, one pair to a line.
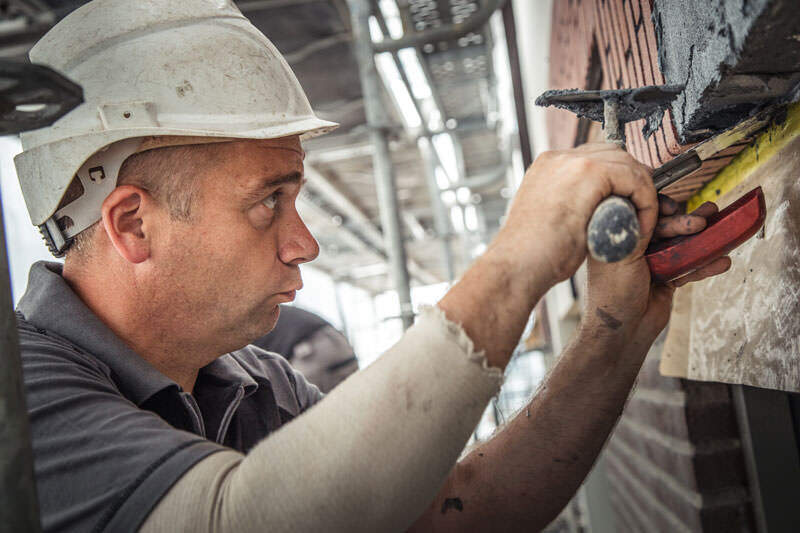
613,230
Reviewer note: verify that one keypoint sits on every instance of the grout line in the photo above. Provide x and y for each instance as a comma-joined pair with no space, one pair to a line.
645,494
680,445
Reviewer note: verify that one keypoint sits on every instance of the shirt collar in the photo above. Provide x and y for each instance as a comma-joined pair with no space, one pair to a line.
50,303
227,370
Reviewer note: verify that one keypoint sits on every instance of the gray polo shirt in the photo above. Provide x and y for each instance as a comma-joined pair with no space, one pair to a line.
111,434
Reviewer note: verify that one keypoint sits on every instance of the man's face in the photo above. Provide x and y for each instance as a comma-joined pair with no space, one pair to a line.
222,274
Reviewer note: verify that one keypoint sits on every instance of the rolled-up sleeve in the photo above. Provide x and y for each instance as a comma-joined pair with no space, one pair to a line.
370,457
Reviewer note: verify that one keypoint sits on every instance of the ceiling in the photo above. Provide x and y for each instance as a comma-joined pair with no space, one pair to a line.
461,128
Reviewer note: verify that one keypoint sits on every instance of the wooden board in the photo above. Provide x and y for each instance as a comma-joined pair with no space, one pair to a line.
744,327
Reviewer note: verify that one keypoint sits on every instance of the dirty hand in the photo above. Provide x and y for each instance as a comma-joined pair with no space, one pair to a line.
622,299
546,227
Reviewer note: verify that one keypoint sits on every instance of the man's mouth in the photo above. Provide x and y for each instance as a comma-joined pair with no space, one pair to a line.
288,295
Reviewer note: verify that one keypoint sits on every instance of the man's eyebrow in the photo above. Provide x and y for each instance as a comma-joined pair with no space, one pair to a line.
271,182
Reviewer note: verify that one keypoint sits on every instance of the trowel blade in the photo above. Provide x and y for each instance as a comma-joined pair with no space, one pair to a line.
692,159
634,104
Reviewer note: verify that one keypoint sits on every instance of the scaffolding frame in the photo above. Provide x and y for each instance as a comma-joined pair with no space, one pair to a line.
365,51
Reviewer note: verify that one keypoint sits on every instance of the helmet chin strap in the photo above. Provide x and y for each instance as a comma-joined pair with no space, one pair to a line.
97,178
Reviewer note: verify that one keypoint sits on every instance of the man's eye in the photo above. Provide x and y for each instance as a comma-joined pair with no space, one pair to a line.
272,200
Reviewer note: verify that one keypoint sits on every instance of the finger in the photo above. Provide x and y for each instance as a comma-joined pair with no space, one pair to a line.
668,227
719,266
705,210
624,176
715,268
666,205
633,180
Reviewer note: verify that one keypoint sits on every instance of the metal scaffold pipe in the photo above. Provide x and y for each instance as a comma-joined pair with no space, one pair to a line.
448,32
378,122
440,217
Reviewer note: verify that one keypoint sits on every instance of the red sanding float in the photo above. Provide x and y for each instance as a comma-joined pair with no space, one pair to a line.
725,231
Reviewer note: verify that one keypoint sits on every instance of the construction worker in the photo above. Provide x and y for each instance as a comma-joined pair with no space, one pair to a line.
172,192
314,347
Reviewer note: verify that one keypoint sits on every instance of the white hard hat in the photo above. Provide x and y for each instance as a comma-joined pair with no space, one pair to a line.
190,68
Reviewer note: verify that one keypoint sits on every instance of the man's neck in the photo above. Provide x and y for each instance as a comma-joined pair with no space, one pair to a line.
131,315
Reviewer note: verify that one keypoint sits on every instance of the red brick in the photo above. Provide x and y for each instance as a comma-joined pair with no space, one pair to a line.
726,518
649,57
720,469
612,71
701,393
673,144
570,46
636,145
634,44
617,73
620,37
652,45
644,57
637,11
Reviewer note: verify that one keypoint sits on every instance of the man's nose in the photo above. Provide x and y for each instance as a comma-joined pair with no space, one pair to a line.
297,244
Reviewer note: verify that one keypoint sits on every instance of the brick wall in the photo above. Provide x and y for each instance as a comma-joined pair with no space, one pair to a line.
571,63
674,462
623,34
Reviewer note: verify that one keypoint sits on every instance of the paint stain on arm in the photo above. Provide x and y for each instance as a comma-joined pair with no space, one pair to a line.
607,318
452,503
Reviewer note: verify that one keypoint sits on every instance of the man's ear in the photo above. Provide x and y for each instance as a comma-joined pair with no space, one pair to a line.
123,211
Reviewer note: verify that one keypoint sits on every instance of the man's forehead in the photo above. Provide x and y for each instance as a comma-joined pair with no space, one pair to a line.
280,152
291,143
285,143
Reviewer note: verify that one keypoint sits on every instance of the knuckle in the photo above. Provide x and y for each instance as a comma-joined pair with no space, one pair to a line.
582,164
548,155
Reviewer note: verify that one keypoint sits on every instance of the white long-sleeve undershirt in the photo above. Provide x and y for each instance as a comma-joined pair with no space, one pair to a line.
370,457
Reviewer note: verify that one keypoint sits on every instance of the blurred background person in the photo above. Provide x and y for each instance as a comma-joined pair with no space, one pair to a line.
313,346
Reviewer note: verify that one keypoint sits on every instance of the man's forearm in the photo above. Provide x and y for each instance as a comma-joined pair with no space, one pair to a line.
520,479
494,300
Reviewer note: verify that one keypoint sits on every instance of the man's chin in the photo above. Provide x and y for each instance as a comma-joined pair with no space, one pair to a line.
271,320
261,318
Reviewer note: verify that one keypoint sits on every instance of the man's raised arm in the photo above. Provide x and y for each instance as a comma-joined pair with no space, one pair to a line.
520,479
375,452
